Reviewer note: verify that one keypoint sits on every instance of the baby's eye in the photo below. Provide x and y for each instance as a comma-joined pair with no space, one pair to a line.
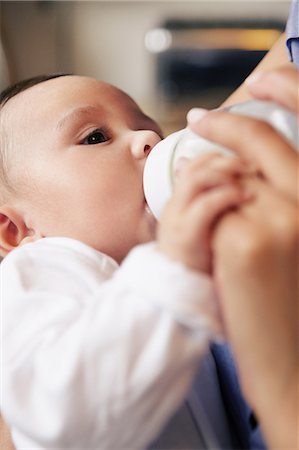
97,136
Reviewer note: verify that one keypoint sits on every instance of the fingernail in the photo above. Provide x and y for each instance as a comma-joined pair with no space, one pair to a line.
253,78
180,164
196,114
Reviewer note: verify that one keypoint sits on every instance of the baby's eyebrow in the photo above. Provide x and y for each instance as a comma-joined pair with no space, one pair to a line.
76,114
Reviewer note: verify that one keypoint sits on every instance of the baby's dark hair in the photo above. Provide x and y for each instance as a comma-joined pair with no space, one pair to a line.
7,185
14,89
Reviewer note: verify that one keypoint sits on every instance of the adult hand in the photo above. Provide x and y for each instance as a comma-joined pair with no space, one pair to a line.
256,273
256,260
255,140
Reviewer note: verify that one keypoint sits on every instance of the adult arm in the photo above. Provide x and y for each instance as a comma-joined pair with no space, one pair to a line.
5,436
256,271
256,261
276,57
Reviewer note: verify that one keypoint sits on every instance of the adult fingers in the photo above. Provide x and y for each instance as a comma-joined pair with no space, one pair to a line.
253,140
280,85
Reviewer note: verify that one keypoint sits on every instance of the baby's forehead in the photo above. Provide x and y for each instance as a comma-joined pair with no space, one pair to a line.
58,90
44,100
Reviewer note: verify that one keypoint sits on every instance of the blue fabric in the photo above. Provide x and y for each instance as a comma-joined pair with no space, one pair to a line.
201,421
244,429
292,33
181,433
206,403
215,414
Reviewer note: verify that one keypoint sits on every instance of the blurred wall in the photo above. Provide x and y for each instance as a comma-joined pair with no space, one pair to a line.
105,39
4,71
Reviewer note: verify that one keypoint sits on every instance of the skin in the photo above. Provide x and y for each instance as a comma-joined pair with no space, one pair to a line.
256,261
5,436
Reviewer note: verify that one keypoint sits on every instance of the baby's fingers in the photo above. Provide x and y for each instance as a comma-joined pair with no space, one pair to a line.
209,172
185,230
206,210
204,214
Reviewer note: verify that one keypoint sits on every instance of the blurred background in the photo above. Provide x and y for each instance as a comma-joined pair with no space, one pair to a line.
168,55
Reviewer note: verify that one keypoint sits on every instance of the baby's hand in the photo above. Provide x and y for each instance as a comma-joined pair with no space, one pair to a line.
207,187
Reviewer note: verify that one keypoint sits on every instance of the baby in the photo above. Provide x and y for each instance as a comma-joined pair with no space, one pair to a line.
105,313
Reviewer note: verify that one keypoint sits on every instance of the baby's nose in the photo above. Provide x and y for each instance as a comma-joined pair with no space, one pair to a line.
143,142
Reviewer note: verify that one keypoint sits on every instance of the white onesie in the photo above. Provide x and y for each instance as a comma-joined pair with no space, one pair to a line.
97,355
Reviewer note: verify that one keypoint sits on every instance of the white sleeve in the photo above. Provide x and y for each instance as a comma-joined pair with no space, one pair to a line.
91,362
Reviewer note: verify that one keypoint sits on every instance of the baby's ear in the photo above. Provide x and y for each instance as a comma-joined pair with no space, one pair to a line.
13,230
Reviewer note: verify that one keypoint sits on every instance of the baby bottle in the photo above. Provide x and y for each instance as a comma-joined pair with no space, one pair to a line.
159,171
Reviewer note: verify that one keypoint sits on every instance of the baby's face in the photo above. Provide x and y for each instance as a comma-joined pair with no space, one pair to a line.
85,145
